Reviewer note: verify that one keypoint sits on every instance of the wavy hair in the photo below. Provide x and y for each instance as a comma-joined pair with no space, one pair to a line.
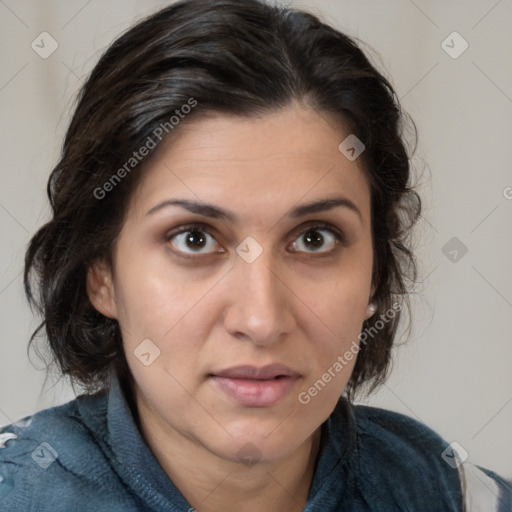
237,57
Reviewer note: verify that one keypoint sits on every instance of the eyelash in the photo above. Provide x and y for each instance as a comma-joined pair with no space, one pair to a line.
198,226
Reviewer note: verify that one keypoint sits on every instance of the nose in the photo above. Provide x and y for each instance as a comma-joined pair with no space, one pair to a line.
260,306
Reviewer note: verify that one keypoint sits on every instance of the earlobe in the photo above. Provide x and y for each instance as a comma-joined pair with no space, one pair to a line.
370,310
100,289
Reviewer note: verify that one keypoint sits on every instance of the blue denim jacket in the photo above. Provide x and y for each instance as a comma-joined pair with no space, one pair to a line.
89,455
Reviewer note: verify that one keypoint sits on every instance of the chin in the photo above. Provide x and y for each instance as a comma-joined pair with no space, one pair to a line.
250,450
256,441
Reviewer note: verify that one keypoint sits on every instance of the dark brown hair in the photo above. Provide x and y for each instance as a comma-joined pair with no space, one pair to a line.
237,57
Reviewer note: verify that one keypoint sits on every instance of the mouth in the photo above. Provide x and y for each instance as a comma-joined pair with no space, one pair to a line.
250,386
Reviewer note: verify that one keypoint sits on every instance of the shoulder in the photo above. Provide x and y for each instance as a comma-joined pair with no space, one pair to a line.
399,430
485,490
79,423
54,458
406,460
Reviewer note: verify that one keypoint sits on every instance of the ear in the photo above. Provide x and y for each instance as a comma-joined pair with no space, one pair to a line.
372,290
370,310
100,288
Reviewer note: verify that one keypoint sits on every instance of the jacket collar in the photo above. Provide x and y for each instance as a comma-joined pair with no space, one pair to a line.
139,469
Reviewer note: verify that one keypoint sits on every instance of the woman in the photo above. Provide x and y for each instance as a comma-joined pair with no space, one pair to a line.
225,268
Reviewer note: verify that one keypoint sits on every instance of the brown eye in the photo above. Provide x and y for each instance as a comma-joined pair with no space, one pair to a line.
194,239
317,239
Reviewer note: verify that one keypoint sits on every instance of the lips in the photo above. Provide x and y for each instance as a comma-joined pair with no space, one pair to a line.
250,386
251,372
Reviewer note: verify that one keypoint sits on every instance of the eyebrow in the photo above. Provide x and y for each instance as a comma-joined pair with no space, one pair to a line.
215,212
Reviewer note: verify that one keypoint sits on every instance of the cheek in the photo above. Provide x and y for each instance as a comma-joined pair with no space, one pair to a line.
339,299
334,354
152,304
175,317
336,311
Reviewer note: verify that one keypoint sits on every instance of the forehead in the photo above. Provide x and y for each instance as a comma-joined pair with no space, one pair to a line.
254,163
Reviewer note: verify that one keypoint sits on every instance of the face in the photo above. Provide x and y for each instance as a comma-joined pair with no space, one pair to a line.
231,313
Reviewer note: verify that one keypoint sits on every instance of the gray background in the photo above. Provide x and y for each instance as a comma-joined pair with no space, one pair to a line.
454,373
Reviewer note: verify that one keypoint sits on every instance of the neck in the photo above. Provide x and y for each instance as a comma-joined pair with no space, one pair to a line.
212,484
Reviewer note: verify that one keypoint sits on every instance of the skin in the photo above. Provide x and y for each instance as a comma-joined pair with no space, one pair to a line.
298,304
